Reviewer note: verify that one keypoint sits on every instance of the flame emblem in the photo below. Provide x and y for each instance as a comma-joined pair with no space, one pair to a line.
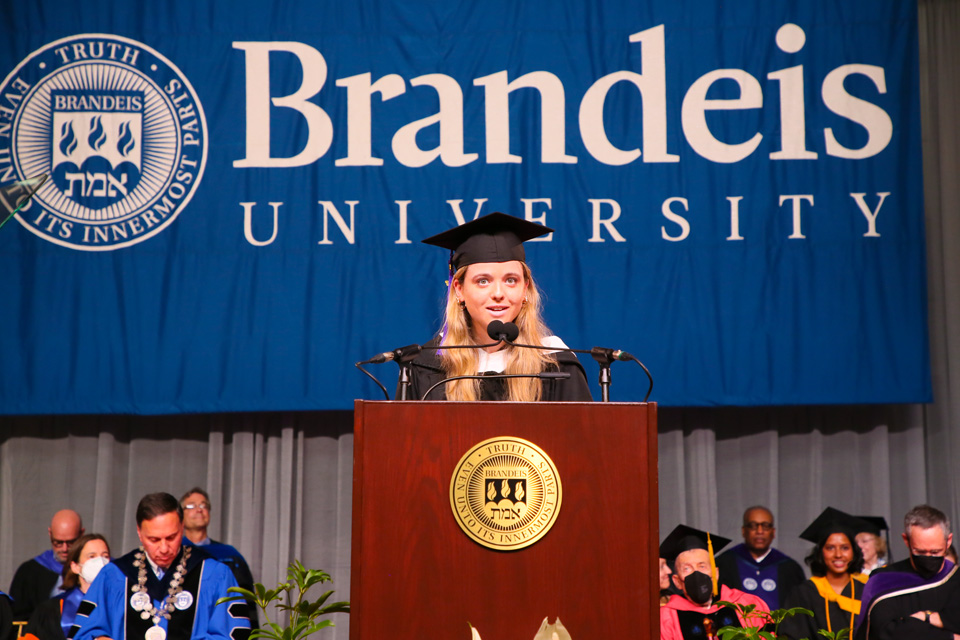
68,140
520,493
491,491
126,143
97,134
505,489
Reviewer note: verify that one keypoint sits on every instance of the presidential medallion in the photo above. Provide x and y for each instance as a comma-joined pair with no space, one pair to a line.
155,632
505,493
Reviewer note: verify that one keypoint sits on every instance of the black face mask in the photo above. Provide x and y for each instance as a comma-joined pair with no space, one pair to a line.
927,566
699,587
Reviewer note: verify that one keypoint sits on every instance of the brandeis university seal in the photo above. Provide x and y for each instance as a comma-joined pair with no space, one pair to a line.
505,493
119,130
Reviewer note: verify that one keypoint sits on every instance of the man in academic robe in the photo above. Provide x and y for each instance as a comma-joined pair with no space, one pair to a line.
694,614
164,590
917,598
39,579
196,521
754,566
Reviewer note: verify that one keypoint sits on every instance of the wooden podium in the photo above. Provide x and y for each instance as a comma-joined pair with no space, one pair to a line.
415,575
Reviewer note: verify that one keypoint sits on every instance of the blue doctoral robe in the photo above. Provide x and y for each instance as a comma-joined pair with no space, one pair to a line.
771,579
107,610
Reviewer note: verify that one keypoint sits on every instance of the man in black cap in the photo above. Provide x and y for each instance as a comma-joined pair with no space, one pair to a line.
491,286
755,566
917,598
694,614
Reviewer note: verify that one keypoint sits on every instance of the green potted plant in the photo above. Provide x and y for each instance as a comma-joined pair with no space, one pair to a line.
290,598
766,626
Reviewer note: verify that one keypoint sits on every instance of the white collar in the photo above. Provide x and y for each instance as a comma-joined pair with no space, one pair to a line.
761,558
157,571
497,361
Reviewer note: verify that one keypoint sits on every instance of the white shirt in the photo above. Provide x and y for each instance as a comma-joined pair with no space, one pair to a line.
497,361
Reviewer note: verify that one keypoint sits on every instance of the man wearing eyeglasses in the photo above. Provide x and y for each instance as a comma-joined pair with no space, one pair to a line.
757,568
39,578
196,520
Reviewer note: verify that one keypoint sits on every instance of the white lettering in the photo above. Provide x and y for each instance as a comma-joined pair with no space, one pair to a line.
258,100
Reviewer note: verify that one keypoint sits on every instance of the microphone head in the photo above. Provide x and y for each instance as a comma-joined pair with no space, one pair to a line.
511,330
497,330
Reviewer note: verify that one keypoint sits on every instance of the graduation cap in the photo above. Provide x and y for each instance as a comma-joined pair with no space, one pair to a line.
873,524
496,237
684,538
833,521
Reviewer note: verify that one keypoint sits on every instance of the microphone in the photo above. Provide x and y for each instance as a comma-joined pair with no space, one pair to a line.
546,375
402,354
508,332
503,331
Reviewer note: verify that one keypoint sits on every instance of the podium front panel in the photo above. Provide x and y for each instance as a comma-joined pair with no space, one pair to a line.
416,575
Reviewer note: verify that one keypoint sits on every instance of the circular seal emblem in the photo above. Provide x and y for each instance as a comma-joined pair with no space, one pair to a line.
505,493
183,601
769,585
139,601
750,584
116,127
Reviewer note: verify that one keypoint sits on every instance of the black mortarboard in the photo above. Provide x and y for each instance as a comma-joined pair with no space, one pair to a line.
873,524
833,521
684,538
496,237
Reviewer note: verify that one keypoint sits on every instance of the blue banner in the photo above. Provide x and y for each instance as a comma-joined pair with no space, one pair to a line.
237,192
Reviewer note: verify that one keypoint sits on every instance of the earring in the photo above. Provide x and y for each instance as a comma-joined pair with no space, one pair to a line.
463,305
524,299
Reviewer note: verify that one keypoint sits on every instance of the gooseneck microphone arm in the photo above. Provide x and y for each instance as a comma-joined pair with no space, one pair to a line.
546,375
508,332
404,356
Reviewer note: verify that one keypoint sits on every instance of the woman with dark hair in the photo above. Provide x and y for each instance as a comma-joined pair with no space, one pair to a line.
53,619
835,590
490,281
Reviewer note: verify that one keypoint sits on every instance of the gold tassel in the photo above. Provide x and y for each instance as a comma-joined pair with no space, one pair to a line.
713,566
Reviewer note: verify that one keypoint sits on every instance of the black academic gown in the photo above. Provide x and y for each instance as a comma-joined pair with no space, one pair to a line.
32,584
426,370
806,595
895,592
45,621
6,618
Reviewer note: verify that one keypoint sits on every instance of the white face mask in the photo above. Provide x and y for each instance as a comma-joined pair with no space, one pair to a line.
90,568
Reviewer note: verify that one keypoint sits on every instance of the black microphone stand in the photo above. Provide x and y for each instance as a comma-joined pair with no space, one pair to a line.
604,358
404,356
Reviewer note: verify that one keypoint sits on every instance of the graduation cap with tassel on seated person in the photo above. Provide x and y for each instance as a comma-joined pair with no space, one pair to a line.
684,538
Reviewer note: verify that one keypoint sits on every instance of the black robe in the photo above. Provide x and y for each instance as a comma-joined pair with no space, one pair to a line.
896,592
32,584
45,621
6,618
426,371
806,595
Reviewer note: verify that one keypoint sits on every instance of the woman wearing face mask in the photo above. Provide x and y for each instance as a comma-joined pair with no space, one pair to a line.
836,588
54,619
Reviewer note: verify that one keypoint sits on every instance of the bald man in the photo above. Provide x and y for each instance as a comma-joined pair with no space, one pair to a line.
39,578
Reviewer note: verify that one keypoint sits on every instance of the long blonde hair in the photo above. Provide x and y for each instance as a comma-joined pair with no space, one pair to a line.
457,330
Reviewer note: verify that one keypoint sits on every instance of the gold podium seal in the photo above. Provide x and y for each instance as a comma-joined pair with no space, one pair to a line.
505,493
